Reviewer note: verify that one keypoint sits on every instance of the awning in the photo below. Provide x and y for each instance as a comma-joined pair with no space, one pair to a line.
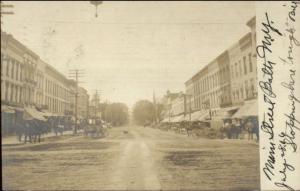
225,113
46,113
19,109
7,109
31,113
165,120
199,115
250,108
178,118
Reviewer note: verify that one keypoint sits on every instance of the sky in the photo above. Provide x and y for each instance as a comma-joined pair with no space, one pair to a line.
131,49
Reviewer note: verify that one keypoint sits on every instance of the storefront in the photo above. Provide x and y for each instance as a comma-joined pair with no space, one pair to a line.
10,115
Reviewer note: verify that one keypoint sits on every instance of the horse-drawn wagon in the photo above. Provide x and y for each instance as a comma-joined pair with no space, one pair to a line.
95,128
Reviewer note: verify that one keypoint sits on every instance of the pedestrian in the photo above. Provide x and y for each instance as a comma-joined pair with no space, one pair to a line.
250,128
19,130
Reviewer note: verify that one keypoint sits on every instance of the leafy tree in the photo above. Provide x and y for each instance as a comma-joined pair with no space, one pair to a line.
116,113
143,112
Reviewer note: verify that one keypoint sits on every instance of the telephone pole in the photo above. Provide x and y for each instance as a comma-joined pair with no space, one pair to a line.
76,73
97,101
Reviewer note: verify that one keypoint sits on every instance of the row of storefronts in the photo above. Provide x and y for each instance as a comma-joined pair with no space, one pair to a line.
226,88
31,86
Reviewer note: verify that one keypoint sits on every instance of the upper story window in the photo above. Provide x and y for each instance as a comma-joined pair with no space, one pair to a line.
245,65
12,69
250,63
7,66
247,89
242,93
17,70
240,66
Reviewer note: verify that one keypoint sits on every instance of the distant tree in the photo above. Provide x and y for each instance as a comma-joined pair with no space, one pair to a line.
143,112
116,113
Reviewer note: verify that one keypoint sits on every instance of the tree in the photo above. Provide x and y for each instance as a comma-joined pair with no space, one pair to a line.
116,113
143,112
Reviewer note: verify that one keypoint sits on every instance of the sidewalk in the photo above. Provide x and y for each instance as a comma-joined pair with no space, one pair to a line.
14,139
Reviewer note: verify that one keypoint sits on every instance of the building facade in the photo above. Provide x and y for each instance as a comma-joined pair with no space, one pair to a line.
178,105
58,91
27,81
243,71
18,68
208,87
229,80
83,103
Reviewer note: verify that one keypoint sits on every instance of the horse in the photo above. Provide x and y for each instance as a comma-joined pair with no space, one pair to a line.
231,131
235,131
33,130
38,129
19,130
252,129
28,131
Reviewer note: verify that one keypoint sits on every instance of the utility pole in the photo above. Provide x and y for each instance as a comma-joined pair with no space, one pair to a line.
76,73
97,101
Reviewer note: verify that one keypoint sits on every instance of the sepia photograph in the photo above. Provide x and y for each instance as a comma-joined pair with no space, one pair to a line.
129,95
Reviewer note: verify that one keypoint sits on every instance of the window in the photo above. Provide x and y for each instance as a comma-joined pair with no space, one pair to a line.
13,69
227,73
240,66
6,91
7,67
2,63
20,94
242,93
252,88
250,63
12,91
246,88
21,72
236,70
17,71
245,65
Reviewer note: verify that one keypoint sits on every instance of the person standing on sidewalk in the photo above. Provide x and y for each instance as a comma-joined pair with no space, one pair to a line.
19,130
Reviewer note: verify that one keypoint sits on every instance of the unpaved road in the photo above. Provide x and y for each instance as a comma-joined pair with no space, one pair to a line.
132,158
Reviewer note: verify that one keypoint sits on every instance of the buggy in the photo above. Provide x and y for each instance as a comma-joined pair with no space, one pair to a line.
94,129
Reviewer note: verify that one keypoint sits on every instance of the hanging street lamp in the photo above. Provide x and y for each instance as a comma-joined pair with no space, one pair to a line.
96,3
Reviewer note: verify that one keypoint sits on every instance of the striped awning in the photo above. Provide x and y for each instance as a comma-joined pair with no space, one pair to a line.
7,109
32,113
165,120
178,118
200,115
250,108
46,113
225,113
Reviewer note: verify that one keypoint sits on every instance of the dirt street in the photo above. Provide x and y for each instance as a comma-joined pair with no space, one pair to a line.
132,158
